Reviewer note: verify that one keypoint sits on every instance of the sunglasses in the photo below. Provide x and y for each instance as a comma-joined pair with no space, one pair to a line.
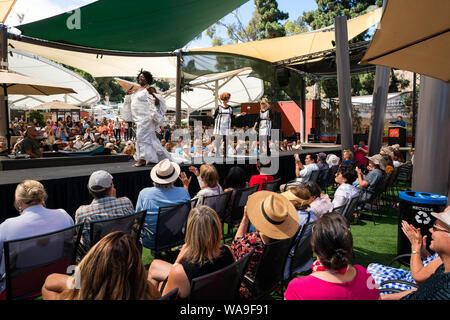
437,228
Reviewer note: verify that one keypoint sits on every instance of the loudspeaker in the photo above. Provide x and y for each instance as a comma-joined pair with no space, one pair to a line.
282,76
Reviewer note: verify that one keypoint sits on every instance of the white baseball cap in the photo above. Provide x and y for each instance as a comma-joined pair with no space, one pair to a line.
100,180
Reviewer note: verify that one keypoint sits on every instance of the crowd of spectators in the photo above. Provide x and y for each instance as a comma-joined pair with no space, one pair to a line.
268,217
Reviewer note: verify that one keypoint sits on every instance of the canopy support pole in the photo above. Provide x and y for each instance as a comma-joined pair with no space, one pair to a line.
4,125
178,86
380,93
343,77
432,155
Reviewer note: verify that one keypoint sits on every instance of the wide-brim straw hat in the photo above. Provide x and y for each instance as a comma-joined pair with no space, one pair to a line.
273,215
379,160
165,172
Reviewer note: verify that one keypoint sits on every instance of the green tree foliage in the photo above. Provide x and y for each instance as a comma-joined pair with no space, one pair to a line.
269,25
35,114
295,27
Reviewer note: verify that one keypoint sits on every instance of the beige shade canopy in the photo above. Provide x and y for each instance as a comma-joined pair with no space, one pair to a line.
19,84
414,36
56,105
283,48
5,8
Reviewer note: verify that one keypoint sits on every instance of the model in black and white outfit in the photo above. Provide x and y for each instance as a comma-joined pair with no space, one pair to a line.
264,121
222,120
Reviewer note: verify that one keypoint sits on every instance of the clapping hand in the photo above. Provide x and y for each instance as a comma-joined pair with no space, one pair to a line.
414,235
185,180
194,170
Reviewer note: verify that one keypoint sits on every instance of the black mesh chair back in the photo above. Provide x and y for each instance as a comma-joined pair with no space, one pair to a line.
405,172
171,225
332,174
239,202
269,270
301,250
340,209
222,284
170,296
350,208
271,185
29,261
130,224
219,203
322,179
314,175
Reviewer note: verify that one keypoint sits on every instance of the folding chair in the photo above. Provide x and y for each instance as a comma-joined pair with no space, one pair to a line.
350,208
314,175
219,203
237,208
300,254
130,224
170,296
322,179
269,270
170,227
271,185
29,261
223,284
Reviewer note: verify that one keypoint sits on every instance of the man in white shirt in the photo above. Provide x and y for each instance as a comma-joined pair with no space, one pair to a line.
303,172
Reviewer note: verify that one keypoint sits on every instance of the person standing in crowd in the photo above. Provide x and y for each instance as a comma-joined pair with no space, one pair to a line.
34,219
146,108
222,120
264,121
117,129
361,151
105,204
162,194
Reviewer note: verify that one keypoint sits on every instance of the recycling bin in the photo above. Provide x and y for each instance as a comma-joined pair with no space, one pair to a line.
415,208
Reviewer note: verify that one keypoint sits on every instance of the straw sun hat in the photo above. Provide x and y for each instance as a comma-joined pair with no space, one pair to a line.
272,214
165,172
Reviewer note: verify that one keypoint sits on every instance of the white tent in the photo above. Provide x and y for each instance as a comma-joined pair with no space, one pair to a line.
35,66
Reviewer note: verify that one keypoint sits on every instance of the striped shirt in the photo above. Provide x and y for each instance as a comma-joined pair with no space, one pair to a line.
102,209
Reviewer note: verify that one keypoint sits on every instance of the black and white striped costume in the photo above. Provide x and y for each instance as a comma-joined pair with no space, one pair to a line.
222,120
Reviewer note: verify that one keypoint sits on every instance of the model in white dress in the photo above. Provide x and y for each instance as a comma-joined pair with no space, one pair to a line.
140,108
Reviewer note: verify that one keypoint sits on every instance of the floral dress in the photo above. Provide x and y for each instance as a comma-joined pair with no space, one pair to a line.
241,247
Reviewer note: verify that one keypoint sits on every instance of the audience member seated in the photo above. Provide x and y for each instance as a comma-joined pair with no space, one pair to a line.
111,270
279,221
397,159
105,204
436,286
422,263
31,144
371,181
347,157
162,194
303,172
263,166
322,161
360,152
34,218
300,197
208,180
332,160
333,278
389,164
320,202
345,176
201,254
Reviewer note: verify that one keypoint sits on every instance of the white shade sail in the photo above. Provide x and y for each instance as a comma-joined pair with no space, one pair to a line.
37,67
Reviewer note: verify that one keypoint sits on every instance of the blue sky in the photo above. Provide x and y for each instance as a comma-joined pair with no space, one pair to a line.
46,8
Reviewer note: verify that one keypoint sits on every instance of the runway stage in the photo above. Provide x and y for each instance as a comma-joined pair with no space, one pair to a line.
67,185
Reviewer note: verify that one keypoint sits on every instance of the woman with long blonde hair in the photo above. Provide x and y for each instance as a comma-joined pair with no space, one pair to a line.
111,270
201,254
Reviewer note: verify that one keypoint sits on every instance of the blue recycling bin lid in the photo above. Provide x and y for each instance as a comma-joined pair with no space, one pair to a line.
423,197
